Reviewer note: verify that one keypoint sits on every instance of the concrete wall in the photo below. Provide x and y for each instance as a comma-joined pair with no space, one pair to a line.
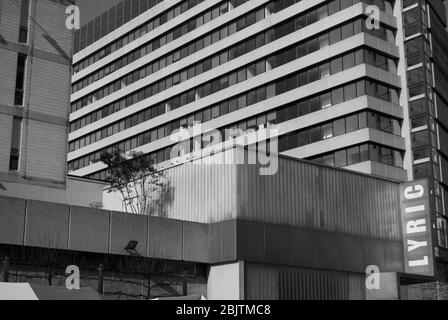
45,109
226,282
53,225
79,192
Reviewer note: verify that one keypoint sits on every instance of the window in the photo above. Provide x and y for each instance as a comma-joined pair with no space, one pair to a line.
314,74
386,156
339,127
333,7
353,155
328,160
364,152
349,60
337,96
315,135
324,41
15,144
336,65
374,153
20,79
347,31
352,123
304,138
350,92
327,131
322,12
335,36
340,158
325,100
324,70
24,13
420,139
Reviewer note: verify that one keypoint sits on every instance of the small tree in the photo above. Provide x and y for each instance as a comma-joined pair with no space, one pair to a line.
134,176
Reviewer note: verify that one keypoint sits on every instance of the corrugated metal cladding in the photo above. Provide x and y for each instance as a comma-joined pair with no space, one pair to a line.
199,193
263,282
318,197
300,194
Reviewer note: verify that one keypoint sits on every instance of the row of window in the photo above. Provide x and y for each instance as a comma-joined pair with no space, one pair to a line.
155,43
308,105
333,66
150,46
338,127
361,153
272,34
114,18
341,158
305,19
166,60
300,50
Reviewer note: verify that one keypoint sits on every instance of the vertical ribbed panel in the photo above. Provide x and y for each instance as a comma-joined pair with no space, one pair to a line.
312,196
261,283
300,194
274,282
200,193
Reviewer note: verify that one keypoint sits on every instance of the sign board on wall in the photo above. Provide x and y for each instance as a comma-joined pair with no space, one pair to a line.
416,226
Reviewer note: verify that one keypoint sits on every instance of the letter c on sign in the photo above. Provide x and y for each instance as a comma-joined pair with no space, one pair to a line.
410,193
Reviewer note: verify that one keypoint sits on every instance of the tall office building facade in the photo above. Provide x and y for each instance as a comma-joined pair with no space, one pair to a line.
341,91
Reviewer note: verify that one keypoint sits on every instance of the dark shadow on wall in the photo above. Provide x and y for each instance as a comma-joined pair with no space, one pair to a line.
3,40
160,205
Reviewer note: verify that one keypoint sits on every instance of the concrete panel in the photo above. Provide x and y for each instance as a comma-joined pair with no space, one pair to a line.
250,241
47,225
226,282
165,238
351,253
222,241
215,242
303,251
276,238
394,253
12,219
128,227
330,252
373,252
89,230
195,242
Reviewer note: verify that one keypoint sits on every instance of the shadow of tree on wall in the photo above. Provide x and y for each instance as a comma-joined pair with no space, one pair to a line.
162,199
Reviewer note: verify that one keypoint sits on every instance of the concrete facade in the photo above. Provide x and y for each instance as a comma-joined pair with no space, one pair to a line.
44,111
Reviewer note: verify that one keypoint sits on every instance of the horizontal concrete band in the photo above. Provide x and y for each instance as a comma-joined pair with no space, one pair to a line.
41,224
16,177
33,115
258,242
